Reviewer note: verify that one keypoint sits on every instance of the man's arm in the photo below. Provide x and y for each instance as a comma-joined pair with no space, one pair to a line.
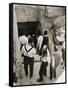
50,47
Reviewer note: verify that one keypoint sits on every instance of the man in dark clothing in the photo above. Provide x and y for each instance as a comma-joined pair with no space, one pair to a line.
43,67
45,39
34,38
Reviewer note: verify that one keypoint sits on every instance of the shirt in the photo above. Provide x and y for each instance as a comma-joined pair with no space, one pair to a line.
31,53
40,40
45,39
44,59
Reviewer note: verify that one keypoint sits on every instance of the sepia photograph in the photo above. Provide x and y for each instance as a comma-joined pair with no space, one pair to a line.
39,44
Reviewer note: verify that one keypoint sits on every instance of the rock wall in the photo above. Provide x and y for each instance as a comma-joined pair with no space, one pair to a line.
44,14
53,11
26,13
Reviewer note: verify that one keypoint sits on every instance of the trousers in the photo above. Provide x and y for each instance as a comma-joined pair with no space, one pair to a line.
28,61
43,69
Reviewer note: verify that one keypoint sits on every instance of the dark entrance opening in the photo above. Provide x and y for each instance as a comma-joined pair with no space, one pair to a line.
28,27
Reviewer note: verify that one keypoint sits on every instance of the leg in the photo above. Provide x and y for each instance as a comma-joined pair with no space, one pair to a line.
55,72
31,67
45,70
40,52
41,73
26,66
26,69
51,72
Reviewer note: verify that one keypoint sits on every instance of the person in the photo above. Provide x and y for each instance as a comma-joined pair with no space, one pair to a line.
28,52
55,61
53,64
30,37
45,40
34,40
59,35
39,43
23,40
44,64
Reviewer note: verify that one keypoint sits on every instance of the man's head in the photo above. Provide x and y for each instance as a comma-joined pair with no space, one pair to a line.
30,41
45,32
29,36
33,35
39,33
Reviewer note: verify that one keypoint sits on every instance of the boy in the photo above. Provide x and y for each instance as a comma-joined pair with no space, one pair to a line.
43,68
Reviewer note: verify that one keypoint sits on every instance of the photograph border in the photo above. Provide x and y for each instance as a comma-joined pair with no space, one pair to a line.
11,50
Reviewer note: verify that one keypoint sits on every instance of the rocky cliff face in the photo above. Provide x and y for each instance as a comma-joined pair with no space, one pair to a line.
44,14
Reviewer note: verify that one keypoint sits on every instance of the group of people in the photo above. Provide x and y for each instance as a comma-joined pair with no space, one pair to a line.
33,45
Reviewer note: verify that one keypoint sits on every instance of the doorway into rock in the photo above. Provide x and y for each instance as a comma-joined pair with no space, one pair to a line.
28,27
